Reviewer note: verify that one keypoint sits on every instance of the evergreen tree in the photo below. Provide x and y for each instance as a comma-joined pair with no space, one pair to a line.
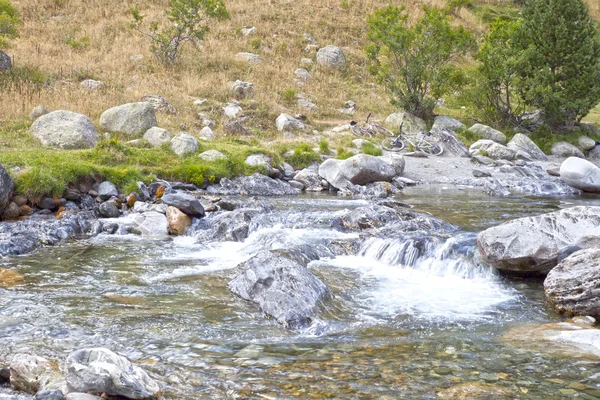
560,72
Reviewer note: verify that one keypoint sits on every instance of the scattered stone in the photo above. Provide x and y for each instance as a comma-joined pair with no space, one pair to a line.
242,90
302,75
564,149
249,31
521,142
11,212
580,174
306,103
331,56
492,149
157,136
109,209
360,169
183,144
184,202
586,143
178,221
249,57
159,103
99,370
236,127
286,122
131,119
307,62
65,129
91,84
311,48
532,244
5,61
106,190
207,134
82,396
31,373
485,132
349,108
47,203
481,174
212,155
282,288
38,111
410,123
232,110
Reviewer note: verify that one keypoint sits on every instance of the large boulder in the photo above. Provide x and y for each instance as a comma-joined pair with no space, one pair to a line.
6,187
396,161
442,122
178,221
564,149
32,373
157,136
287,123
5,61
132,119
151,224
580,174
184,202
410,123
521,142
331,56
65,129
99,370
453,146
486,132
572,286
282,288
360,169
183,144
491,149
310,179
533,244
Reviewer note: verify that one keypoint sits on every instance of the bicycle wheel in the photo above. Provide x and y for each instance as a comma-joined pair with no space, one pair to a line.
433,149
359,131
382,131
393,144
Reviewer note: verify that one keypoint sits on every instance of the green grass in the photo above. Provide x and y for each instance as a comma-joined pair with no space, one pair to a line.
466,136
343,153
370,149
545,139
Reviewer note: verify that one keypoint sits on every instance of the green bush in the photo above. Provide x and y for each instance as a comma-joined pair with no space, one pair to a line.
9,21
187,24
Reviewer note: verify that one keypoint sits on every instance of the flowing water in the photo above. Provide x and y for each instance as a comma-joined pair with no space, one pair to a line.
414,314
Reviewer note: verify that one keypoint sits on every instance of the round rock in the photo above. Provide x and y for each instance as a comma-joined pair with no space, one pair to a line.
65,129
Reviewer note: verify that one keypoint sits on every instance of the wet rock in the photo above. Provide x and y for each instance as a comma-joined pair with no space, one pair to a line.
309,179
477,391
132,118
10,277
141,207
65,129
144,193
231,226
106,190
368,217
410,123
485,132
253,185
4,375
157,136
360,169
186,203
521,142
580,174
572,286
178,221
282,288
491,149
99,370
47,203
183,144
109,209
53,394
532,244
31,373
331,56
6,188
564,149
110,229
151,224
82,396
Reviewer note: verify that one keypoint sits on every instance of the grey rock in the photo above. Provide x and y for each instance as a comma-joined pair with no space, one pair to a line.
31,373
91,84
299,185
360,169
451,144
482,160
521,142
47,203
186,203
38,111
580,174
585,143
207,134
492,150
306,103
52,394
232,110
144,192
106,190
82,396
331,56
132,118
307,62
594,154
11,212
231,226
572,286
65,129
286,122
410,123
253,185
302,75
248,31
263,161
6,188
532,120
309,180
480,174
249,57
282,288
151,224
157,136
242,90
564,149
109,209
442,122
488,133
183,144
99,370
396,161
236,127
72,194
532,244
349,108
159,103
5,61
211,155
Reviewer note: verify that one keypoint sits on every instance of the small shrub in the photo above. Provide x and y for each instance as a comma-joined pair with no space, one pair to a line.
324,147
9,21
77,44
370,149
256,43
345,5
343,153
288,96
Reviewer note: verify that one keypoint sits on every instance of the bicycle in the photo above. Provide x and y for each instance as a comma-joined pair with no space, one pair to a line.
398,143
368,129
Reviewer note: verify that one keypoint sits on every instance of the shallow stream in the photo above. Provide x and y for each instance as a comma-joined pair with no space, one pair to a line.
414,316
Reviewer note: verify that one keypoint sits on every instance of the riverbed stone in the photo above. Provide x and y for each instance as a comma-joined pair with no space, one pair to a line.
585,143
491,149
331,56
360,169
580,174
30,373
99,370
157,136
6,189
106,190
282,288
488,133
564,149
572,286
178,221
309,180
410,123
109,209
52,394
186,203
183,144
132,119
253,185
151,224
521,142
66,130
532,244
82,396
